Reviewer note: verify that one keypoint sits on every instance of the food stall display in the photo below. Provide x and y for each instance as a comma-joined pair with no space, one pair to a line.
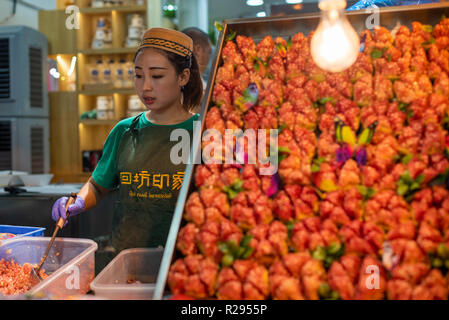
359,205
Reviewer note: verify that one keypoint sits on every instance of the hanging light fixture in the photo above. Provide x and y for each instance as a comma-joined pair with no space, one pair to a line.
335,44
254,3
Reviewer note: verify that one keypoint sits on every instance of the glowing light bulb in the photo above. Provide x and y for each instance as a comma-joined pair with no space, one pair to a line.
335,44
254,2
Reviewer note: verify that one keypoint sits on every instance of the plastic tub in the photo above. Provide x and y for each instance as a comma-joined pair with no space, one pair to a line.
21,232
10,178
70,264
139,264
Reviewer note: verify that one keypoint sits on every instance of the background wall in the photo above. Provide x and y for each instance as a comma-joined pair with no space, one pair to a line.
26,11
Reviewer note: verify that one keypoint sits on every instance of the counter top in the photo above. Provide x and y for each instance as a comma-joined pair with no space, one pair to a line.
52,189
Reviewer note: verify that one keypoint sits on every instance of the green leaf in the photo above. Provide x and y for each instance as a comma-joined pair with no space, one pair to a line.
333,248
324,291
282,127
427,28
319,253
403,106
340,252
289,43
227,260
231,36
428,43
442,251
414,186
409,197
334,296
376,53
233,248
246,240
218,26
256,66
407,178
402,190
316,164
240,252
326,100
370,194
362,190
290,225
247,253
419,179
223,247
440,179
389,57
282,157
284,150
237,185
406,159
328,262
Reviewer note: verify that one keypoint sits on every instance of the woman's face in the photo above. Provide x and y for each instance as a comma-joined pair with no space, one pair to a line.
156,80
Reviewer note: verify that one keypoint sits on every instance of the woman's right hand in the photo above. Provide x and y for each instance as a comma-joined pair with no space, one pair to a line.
59,211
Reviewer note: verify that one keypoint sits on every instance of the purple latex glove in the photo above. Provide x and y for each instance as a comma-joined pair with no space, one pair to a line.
58,210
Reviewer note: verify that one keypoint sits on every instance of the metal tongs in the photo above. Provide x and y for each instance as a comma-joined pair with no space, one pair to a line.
59,225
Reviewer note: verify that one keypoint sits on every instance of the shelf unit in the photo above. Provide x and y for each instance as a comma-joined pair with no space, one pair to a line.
69,134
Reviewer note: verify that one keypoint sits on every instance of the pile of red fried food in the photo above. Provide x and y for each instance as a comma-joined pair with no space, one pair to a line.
16,279
345,217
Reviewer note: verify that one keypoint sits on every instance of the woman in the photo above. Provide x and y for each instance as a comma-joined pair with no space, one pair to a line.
136,154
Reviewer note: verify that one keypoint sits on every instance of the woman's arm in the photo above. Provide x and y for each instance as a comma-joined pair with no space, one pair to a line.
92,194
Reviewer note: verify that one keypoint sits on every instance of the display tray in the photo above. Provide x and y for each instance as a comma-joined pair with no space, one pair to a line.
284,27
70,265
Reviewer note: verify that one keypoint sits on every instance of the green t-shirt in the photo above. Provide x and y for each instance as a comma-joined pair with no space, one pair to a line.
105,174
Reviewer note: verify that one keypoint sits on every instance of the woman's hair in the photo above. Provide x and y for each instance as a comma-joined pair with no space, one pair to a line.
193,90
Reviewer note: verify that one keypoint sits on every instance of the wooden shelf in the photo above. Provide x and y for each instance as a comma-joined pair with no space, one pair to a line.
98,122
107,92
107,51
116,8
67,107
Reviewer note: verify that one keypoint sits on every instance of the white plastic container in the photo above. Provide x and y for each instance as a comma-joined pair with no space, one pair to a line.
105,103
70,264
97,3
119,74
106,76
139,264
134,103
95,72
129,74
11,178
35,180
